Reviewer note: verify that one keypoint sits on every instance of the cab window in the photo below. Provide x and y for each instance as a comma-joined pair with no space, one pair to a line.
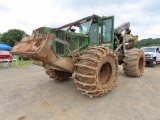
107,30
94,33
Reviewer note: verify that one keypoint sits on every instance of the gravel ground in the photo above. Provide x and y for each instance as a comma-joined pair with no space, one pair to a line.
27,93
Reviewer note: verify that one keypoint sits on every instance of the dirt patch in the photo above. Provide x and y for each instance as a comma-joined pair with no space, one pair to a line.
22,118
28,93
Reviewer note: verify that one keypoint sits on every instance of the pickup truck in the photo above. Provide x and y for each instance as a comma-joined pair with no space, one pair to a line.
152,55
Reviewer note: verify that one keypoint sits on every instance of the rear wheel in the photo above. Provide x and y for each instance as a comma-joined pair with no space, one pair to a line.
134,63
96,71
58,75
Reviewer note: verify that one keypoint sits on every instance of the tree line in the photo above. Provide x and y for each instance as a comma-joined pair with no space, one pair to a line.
148,42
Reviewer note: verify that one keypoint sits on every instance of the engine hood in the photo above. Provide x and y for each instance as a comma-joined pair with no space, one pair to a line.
146,53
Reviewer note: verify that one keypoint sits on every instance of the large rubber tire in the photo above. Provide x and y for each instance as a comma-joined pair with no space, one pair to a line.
96,71
58,75
134,63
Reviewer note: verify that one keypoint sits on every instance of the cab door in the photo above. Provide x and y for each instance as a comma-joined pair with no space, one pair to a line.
158,54
107,34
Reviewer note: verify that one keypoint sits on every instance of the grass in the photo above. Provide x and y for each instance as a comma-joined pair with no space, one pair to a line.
21,63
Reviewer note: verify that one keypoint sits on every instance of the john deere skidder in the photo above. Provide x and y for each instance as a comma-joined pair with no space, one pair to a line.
89,48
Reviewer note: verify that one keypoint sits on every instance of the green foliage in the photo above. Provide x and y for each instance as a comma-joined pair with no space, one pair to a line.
11,37
22,63
0,37
148,42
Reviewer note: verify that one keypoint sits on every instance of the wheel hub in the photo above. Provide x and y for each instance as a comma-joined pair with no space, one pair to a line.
141,63
105,73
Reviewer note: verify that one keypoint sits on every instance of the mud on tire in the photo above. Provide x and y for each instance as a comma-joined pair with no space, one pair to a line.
57,75
96,71
134,63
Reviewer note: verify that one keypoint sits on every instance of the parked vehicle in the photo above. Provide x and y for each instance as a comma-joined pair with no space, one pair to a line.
5,55
152,55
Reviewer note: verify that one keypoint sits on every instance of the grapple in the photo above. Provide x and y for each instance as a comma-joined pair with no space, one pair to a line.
39,48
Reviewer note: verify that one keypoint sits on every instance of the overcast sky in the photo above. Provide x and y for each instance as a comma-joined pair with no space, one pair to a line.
27,15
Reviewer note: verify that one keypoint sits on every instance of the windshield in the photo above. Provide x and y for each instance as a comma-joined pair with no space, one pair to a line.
4,52
148,49
84,27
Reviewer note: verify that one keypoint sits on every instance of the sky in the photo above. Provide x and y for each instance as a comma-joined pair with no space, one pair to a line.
27,15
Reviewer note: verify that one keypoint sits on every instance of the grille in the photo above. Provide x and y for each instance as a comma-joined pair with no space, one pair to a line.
59,48
80,42
148,56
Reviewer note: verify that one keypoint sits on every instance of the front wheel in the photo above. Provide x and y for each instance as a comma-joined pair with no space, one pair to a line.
96,71
153,63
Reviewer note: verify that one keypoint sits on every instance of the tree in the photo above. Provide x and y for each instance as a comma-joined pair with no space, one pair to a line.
12,36
0,37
